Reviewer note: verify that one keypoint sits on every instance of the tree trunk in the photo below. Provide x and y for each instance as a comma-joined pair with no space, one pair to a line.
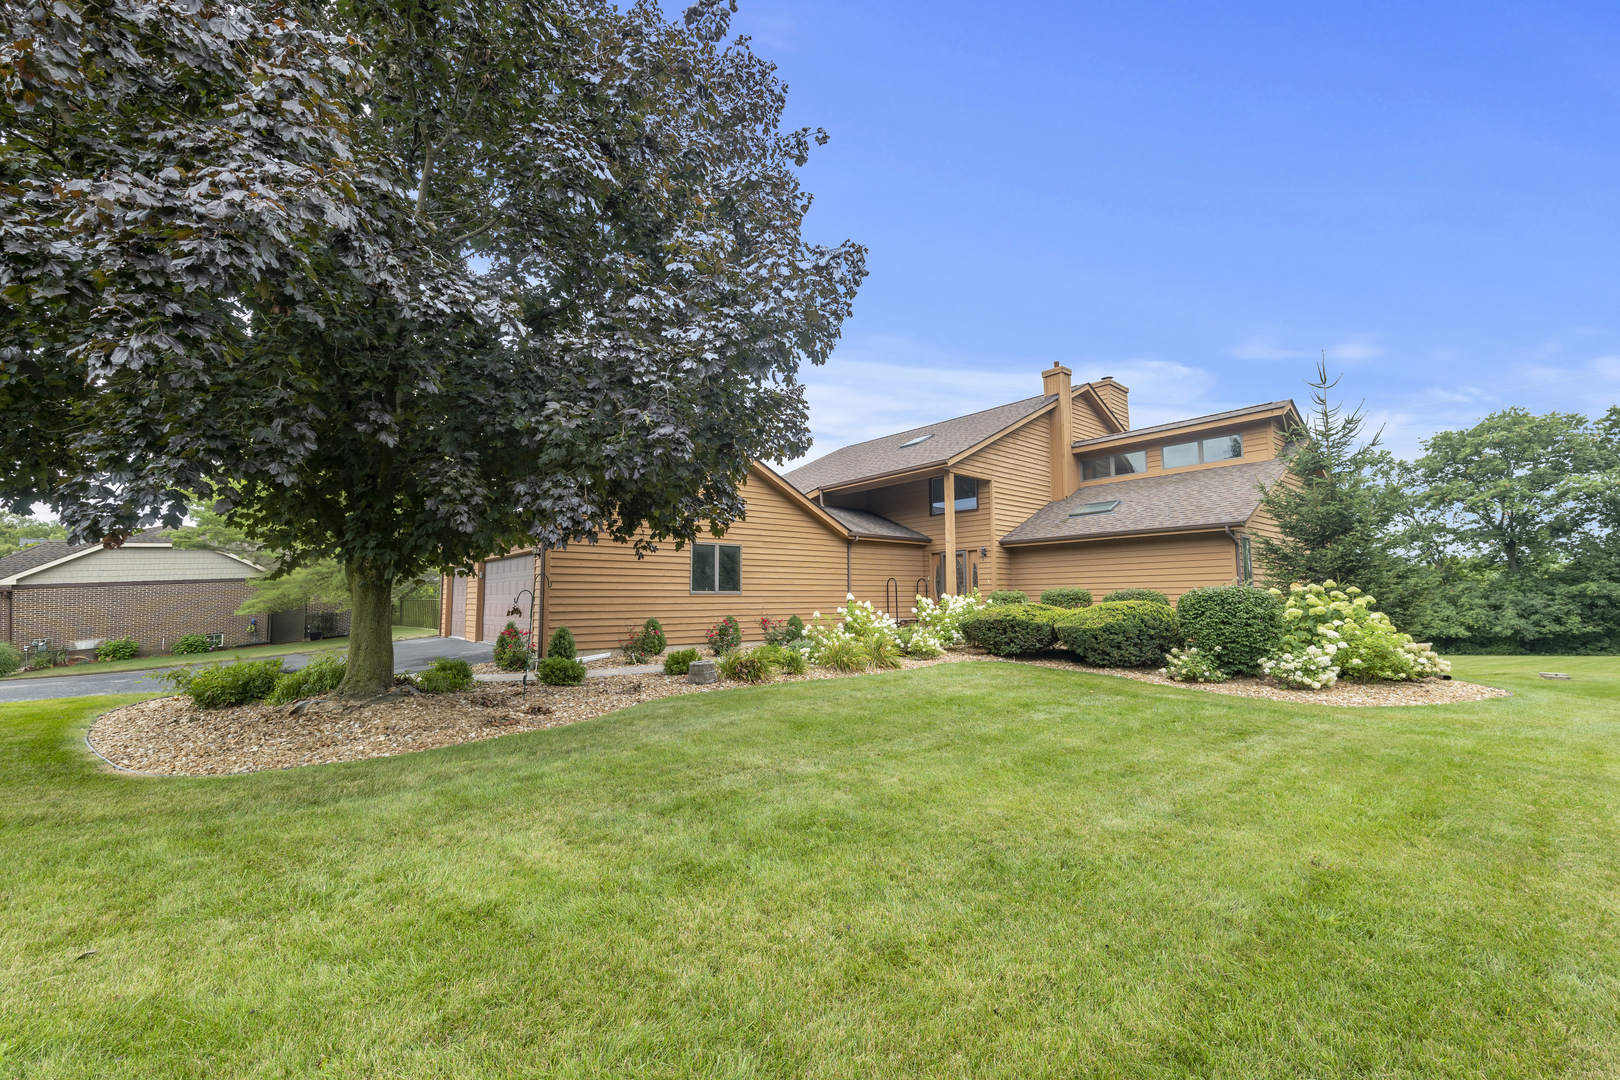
371,632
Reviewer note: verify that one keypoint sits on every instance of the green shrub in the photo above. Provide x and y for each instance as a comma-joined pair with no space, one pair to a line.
1239,624
561,644
1013,629
884,650
1136,594
1066,597
755,665
446,676
190,645
121,648
11,658
219,685
795,628
320,676
511,649
679,661
561,671
794,661
653,641
1125,633
1009,596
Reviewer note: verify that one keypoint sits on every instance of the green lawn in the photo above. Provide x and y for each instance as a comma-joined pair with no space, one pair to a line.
255,652
974,870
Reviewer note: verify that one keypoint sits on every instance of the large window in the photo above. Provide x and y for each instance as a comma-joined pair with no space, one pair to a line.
967,494
1113,465
1224,448
716,568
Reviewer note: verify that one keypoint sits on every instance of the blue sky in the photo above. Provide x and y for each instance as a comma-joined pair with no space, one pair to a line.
1198,198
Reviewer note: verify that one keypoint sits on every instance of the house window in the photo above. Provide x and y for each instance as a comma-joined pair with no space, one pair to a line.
967,494
716,568
1098,468
1224,448
215,641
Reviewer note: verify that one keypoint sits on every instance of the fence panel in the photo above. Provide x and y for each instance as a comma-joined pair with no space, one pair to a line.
418,611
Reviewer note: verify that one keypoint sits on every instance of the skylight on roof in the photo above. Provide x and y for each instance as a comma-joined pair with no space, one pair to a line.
918,439
1094,508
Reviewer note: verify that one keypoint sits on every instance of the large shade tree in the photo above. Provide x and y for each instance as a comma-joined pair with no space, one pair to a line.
557,288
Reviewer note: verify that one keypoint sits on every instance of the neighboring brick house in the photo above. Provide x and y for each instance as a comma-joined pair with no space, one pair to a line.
78,595
1056,489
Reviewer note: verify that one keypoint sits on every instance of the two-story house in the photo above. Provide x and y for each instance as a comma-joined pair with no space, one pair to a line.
1056,489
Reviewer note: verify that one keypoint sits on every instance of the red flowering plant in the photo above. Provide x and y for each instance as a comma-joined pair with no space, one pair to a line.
512,648
724,636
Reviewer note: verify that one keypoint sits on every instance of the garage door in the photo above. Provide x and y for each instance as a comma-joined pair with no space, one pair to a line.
508,583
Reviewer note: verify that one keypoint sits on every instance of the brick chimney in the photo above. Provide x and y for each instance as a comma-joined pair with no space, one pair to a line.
1065,470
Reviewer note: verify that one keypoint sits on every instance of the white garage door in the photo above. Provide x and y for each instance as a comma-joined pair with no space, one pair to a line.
508,583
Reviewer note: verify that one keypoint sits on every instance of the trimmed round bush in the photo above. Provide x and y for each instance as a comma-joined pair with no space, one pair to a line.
1014,629
1240,625
1066,597
11,658
1009,596
446,676
562,644
1136,594
1125,633
561,671
653,641
680,661
190,645
120,648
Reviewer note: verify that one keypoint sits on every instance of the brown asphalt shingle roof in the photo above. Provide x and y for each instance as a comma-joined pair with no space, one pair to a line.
880,457
876,526
1194,422
1163,502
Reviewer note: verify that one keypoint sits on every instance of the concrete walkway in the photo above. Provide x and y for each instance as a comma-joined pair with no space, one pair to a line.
411,654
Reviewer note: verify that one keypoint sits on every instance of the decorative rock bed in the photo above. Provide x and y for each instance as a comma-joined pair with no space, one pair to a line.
173,737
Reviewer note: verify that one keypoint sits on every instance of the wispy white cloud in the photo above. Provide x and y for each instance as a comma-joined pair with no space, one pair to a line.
1355,349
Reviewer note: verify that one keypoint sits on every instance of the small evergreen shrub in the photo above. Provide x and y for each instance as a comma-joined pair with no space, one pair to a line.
1009,596
724,636
1136,594
320,676
1066,597
751,666
562,644
795,626
122,648
653,641
1126,633
190,645
561,671
679,661
11,658
1244,623
780,631
446,676
1013,629
219,685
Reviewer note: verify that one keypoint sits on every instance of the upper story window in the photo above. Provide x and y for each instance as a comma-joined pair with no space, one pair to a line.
716,568
1113,465
1223,448
967,494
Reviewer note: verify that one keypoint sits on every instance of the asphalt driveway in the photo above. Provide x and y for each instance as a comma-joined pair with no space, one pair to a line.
411,654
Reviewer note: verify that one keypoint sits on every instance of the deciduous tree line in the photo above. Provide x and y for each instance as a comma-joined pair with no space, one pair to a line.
1504,537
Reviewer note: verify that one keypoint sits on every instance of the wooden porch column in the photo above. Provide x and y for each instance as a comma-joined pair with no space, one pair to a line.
987,506
950,532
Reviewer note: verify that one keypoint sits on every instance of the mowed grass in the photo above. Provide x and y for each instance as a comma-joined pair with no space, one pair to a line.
976,870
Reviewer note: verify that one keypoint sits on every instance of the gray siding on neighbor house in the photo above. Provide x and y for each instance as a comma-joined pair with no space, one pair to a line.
110,566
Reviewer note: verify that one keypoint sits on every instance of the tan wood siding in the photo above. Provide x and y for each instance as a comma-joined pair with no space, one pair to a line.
1017,470
904,504
1171,564
1087,423
791,565
875,563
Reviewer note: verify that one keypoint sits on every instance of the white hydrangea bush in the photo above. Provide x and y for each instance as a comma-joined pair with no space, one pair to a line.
1193,664
852,626
942,622
1332,633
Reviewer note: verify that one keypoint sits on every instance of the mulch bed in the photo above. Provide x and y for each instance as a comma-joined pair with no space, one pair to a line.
173,737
